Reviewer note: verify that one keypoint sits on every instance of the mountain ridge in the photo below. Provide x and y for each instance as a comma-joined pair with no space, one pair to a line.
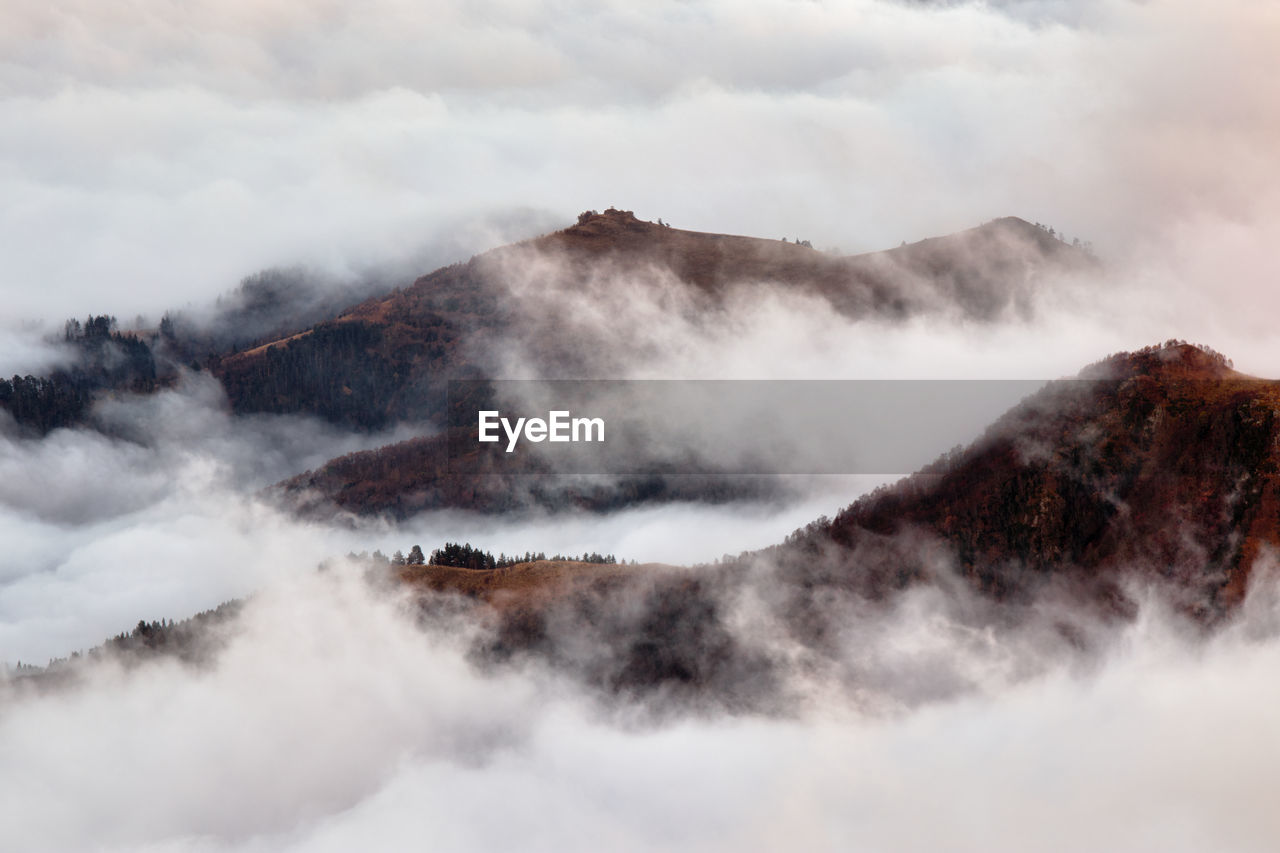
390,357
1085,477
1076,486
386,358
1153,470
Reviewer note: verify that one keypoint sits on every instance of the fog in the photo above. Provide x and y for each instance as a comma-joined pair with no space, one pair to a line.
154,156
166,153
164,515
157,518
358,727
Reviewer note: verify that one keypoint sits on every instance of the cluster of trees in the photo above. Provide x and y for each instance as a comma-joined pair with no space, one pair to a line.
334,371
110,358
1204,348
94,329
1151,349
103,358
1084,246
465,556
188,639
180,638
586,215
367,370
266,306
44,404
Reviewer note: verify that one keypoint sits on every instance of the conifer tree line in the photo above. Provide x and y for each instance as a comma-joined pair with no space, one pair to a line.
464,556
104,358
187,639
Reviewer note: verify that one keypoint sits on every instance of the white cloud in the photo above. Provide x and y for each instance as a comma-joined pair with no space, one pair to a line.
152,155
330,718
158,155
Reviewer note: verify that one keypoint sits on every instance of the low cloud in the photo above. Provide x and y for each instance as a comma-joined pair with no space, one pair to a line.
294,134
331,716
156,517
162,514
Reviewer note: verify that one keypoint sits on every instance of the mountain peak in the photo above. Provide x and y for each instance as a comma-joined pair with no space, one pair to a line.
361,365
1173,359
611,222
1165,471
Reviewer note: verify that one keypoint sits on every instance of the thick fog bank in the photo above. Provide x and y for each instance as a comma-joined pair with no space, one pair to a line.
331,719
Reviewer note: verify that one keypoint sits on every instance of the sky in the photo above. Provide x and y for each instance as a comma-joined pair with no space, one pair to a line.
153,154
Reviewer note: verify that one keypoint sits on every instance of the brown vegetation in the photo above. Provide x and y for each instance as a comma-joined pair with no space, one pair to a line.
1160,465
427,473
1156,468
389,359
523,584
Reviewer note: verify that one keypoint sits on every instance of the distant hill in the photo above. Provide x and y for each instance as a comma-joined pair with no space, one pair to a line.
388,359
1158,466
1155,469
1158,470
402,479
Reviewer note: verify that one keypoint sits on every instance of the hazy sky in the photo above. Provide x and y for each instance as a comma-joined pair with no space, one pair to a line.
152,154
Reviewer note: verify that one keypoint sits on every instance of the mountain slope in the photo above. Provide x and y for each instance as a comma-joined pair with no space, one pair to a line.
409,477
388,359
1156,470
1159,466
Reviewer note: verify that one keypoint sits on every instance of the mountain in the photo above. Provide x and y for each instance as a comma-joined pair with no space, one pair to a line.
403,479
1158,466
1153,470
388,359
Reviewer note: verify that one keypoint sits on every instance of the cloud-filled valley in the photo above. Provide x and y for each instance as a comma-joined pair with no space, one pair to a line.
359,725
1059,635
